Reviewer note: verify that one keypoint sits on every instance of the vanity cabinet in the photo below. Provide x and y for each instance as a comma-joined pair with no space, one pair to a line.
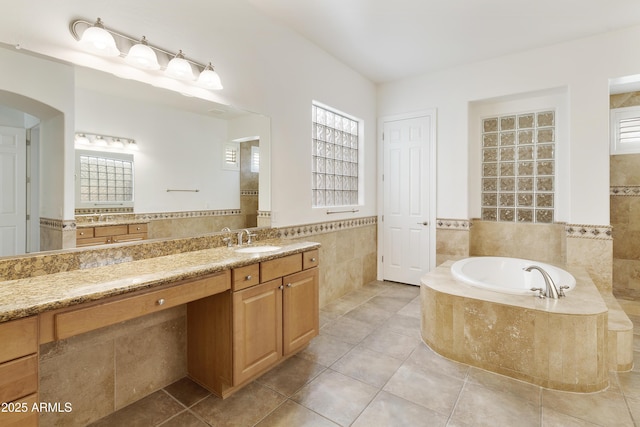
19,372
107,234
271,318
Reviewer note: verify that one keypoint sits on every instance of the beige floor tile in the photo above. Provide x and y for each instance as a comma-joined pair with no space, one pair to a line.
370,314
412,309
184,419
325,350
634,407
482,406
551,418
428,360
388,410
390,302
186,391
244,408
391,343
604,408
291,375
405,291
292,414
630,384
336,396
348,330
368,366
405,325
432,390
338,307
521,389
148,411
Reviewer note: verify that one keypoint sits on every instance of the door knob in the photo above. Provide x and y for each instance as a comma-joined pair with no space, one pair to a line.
424,223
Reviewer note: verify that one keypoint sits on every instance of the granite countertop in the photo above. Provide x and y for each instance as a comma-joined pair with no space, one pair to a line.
88,224
583,299
26,297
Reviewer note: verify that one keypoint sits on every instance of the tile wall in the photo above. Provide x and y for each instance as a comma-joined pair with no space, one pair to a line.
625,212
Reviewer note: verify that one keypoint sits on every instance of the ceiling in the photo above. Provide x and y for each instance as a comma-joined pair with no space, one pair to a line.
386,40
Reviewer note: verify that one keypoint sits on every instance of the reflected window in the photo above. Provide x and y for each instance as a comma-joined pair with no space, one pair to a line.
104,179
335,154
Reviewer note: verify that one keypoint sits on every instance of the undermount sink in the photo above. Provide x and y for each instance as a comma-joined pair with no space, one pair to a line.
257,249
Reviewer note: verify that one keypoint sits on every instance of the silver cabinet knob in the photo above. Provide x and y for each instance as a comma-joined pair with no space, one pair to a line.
248,277
313,259
280,287
161,301
288,285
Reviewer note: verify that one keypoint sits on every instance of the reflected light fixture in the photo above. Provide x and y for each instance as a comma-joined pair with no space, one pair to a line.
179,68
142,56
88,140
103,41
209,79
96,39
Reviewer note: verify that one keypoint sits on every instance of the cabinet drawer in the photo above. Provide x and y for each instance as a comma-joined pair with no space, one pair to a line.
137,228
18,338
24,417
91,241
128,238
84,232
111,230
74,322
310,259
245,277
18,378
280,267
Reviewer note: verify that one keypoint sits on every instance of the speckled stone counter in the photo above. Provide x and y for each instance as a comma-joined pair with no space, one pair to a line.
29,296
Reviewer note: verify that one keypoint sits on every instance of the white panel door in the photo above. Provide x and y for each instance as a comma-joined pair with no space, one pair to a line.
13,205
406,236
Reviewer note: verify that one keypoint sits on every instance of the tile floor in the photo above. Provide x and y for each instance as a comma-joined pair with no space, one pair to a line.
368,367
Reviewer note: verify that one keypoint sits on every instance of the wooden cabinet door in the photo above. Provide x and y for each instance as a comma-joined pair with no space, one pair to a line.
300,309
257,329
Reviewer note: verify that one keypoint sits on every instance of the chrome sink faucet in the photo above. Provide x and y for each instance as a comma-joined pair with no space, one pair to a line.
551,290
249,236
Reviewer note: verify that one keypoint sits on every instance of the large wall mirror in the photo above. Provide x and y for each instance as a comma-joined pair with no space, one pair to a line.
181,144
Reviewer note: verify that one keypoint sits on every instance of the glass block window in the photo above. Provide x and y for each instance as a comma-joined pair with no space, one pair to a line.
518,167
335,158
104,179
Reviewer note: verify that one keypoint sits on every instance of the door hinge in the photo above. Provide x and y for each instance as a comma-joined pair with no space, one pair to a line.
382,260
28,217
28,180
382,218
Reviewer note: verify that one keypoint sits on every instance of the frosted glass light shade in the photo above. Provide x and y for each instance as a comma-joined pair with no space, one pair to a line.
142,56
209,79
179,68
99,41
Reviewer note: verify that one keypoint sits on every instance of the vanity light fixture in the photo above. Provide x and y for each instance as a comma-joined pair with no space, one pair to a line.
143,55
96,39
209,79
179,68
86,140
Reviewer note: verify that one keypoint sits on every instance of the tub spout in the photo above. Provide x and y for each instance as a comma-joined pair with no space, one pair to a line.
551,290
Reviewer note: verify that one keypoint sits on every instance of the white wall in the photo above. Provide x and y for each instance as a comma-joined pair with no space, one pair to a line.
582,68
44,89
176,150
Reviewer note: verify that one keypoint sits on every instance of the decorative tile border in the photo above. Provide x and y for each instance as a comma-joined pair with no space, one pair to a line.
600,232
628,190
453,224
186,214
264,214
57,224
91,211
325,227
249,192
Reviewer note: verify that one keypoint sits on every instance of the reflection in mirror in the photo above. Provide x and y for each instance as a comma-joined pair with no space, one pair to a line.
179,142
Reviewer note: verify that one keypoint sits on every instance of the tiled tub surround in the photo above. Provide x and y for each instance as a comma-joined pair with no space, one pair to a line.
559,344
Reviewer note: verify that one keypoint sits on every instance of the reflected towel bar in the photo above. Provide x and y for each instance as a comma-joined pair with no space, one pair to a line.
187,191
345,211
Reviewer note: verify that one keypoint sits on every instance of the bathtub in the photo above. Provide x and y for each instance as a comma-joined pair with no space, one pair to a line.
554,343
507,275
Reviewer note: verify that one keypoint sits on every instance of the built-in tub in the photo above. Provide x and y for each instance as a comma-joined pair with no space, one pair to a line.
508,275
559,344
